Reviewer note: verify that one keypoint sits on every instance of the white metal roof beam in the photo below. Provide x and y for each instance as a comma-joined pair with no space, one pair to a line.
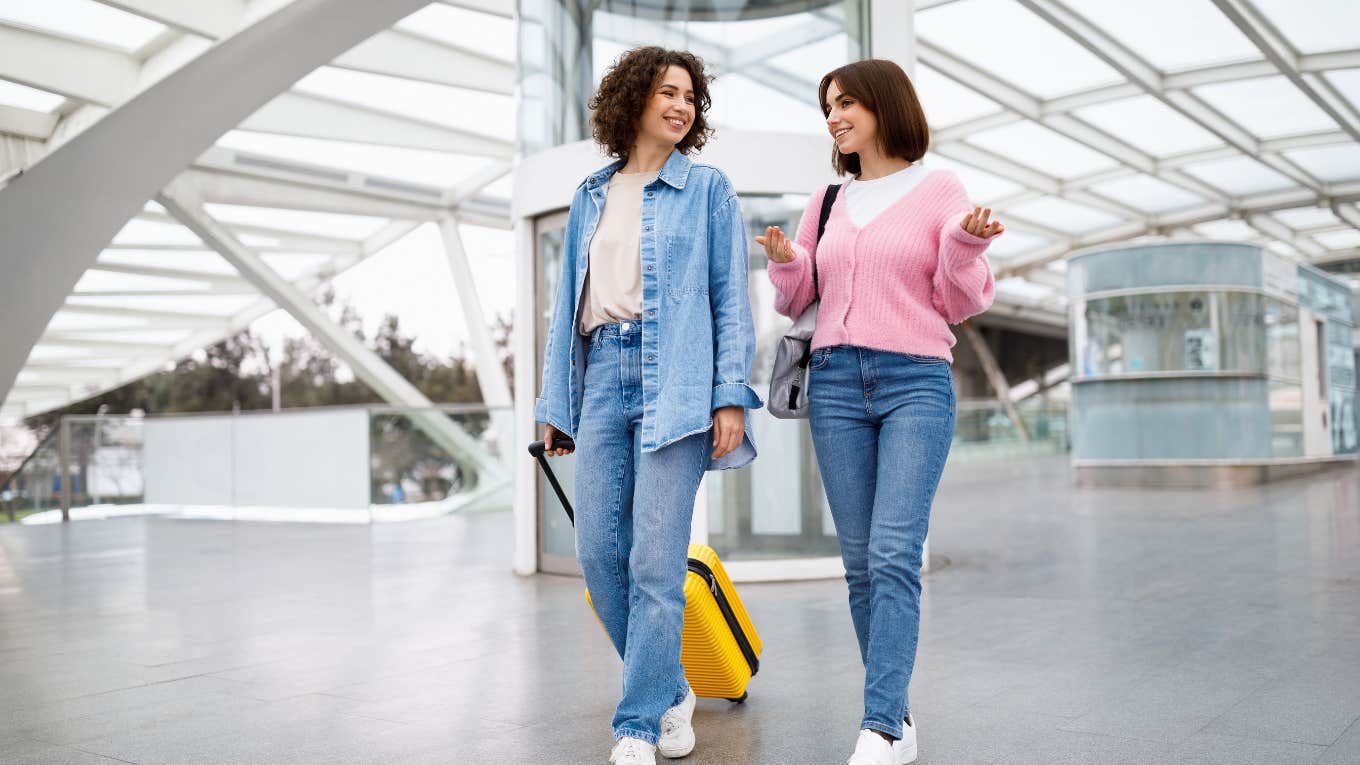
79,340
1279,232
59,65
173,318
1279,52
26,123
759,51
226,188
177,292
311,116
161,272
400,53
208,18
285,237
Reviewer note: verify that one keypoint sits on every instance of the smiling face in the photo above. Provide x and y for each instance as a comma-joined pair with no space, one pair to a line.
852,126
670,110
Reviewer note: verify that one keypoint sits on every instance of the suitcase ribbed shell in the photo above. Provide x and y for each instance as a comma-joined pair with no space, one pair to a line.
714,663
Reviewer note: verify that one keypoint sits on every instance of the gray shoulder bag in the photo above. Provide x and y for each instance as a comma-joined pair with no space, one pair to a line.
788,399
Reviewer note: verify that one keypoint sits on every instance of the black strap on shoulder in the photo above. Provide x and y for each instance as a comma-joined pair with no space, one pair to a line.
827,200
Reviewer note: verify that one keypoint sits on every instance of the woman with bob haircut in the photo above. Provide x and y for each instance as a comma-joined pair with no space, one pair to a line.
647,365
901,259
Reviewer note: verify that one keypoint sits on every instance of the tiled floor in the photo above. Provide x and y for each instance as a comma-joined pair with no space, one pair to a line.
1071,626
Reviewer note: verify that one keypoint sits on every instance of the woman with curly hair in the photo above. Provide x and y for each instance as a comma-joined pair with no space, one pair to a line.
902,257
647,366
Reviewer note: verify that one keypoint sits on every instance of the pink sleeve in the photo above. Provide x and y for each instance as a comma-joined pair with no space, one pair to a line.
793,287
963,278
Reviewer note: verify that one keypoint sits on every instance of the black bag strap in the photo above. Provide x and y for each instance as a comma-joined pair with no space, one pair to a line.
827,200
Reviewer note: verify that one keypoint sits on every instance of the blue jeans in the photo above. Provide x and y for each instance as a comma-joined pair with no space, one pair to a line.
882,424
633,513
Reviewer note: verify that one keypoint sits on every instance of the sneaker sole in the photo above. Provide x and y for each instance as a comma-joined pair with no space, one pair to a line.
908,756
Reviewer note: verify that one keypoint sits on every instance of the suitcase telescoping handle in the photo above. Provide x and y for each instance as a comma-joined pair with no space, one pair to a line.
536,449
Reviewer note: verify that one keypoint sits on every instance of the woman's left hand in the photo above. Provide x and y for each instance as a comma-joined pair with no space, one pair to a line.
976,223
729,425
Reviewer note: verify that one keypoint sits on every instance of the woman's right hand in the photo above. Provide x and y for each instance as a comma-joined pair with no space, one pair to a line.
777,246
550,435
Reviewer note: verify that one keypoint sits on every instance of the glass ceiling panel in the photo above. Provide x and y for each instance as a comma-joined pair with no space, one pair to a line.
428,168
808,61
1239,176
1062,215
477,112
1172,34
1230,230
946,102
84,19
1001,37
1014,242
154,232
294,266
1151,195
63,320
24,97
1315,26
1042,149
734,35
1339,240
1148,124
1269,107
502,189
1339,162
299,221
981,186
483,33
1348,82
1307,217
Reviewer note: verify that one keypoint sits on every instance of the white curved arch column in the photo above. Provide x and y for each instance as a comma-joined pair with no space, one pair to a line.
102,177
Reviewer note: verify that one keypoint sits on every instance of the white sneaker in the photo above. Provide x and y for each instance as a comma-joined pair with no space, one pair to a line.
905,748
872,749
677,733
633,751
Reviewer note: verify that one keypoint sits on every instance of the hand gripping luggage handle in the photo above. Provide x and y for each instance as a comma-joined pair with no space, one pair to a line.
536,449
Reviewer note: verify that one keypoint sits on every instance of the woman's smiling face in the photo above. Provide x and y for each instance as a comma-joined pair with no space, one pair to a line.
852,126
670,110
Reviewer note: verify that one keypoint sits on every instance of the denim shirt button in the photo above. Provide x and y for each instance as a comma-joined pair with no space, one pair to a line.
646,228
651,268
651,311
650,357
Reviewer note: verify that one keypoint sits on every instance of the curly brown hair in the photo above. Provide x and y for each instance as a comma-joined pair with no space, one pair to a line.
627,86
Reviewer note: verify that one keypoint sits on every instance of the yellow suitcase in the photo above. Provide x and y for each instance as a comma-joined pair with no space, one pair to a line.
720,649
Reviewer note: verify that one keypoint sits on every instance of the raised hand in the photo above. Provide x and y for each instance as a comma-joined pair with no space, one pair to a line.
976,223
777,247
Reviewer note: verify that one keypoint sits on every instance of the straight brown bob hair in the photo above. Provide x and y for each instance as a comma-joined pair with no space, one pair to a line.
886,91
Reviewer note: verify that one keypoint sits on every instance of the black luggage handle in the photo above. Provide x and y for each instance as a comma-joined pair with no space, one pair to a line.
536,450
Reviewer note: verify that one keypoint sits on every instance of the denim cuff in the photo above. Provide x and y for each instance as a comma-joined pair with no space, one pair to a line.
735,394
631,733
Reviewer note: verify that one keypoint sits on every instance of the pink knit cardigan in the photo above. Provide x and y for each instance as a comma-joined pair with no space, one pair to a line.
895,284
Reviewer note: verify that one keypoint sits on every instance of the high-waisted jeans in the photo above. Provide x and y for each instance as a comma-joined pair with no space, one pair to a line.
882,424
633,513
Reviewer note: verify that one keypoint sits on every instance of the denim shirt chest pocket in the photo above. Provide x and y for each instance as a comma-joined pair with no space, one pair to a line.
686,270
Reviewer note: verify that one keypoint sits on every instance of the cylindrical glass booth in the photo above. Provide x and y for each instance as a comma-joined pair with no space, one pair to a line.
1208,362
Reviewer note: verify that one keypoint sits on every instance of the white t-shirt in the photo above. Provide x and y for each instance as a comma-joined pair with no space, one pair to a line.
865,200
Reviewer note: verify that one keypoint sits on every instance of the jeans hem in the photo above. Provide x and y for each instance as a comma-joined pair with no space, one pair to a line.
650,738
887,728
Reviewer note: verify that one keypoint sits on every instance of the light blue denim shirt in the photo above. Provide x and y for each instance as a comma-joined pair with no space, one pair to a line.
698,340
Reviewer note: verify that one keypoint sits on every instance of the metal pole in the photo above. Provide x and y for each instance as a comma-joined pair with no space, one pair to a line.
64,467
996,378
